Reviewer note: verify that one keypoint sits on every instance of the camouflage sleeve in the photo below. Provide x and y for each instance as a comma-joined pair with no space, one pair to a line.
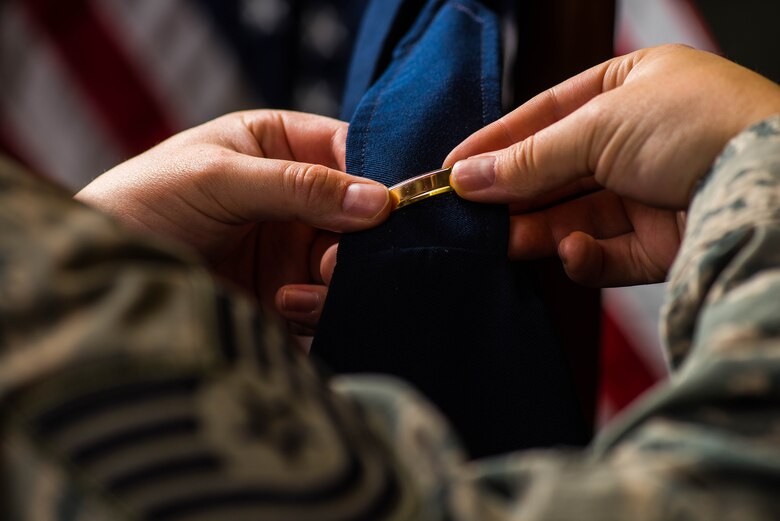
704,447
132,386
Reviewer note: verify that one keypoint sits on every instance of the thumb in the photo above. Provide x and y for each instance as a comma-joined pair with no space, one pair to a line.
556,159
257,189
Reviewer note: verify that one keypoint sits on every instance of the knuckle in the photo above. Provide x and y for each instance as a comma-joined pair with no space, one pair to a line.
555,101
617,71
595,136
207,165
522,155
339,140
518,165
208,171
310,185
228,118
672,47
216,162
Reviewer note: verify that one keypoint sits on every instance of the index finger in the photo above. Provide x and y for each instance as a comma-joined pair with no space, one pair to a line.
300,137
539,112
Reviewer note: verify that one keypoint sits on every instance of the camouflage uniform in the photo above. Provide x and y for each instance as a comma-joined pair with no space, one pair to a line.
132,386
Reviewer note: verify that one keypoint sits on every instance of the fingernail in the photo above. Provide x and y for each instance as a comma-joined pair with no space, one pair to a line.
474,174
300,301
364,200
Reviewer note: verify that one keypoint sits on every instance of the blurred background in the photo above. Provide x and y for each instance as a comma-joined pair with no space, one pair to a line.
85,84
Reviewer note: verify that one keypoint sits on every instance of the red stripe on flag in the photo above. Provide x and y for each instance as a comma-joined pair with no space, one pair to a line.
104,72
624,374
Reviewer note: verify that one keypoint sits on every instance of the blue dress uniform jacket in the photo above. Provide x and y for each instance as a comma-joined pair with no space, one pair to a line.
429,295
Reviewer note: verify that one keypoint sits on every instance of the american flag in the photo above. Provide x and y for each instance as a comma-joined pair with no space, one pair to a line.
88,83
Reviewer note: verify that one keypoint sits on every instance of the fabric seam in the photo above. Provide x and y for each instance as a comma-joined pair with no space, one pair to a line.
406,53
464,9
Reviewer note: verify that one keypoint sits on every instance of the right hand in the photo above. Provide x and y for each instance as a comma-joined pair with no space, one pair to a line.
645,126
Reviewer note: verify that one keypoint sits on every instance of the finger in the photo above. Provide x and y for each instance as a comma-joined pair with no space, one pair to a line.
559,155
301,303
537,234
328,264
298,136
300,332
571,191
543,110
251,189
323,243
531,237
619,261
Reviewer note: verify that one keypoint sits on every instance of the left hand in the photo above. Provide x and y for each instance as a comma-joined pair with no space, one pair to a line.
258,193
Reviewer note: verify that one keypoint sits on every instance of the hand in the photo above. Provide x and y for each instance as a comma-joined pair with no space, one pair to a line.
645,126
253,192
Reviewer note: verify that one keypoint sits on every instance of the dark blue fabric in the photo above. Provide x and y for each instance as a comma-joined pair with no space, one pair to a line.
367,53
429,295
